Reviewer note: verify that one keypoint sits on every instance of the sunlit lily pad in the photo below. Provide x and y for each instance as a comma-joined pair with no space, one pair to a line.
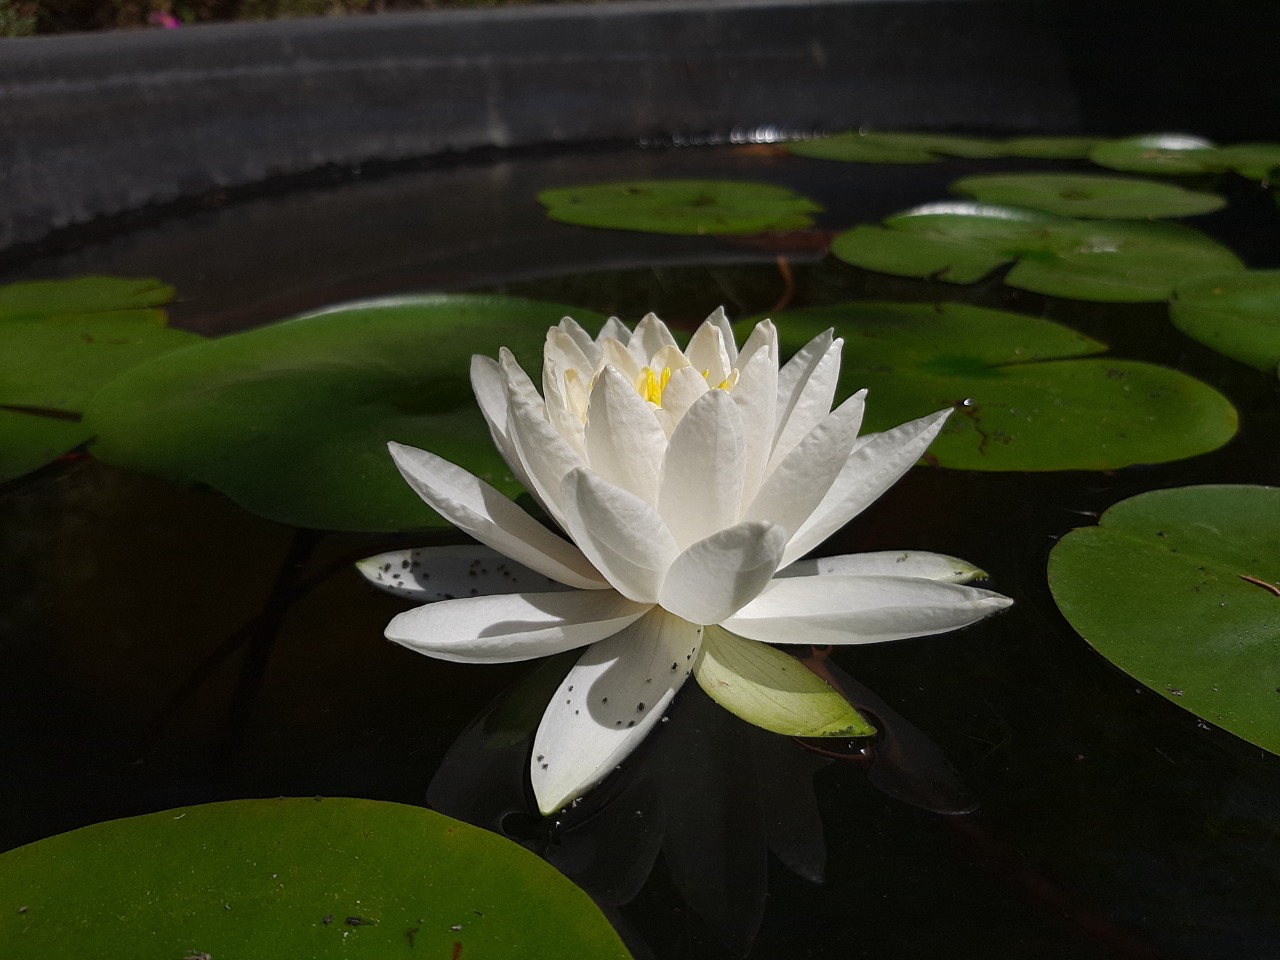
681,206
1237,314
1029,394
292,879
292,420
1119,261
1088,195
1179,154
1178,588
61,340
875,147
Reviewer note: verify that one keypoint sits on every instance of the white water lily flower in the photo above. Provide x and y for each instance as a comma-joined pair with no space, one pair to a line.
686,481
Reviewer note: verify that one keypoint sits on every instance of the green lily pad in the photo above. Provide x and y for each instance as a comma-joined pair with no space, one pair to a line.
60,341
773,690
1178,589
1179,154
292,420
874,147
1237,314
687,207
292,879
1116,261
1089,195
1029,394
1050,148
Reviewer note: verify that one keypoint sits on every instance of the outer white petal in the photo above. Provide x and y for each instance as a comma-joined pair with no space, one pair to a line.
589,347
719,319
607,704
763,334
613,352
756,394
478,509
489,385
546,455
700,490
717,576
565,351
874,466
889,563
516,626
795,487
802,406
625,443
707,353
621,534
842,609
427,574
650,336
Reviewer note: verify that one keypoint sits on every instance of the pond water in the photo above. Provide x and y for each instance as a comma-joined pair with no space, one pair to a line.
165,647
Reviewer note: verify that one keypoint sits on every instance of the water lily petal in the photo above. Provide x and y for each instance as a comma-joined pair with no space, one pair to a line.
621,534
794,488
427,574
707,353
683,390
546,455
607,704
763,334
565,350
700,490
565,412
805,393
756,394
614,329
889,563
843,609
624,440
478,509
613,352
650,336
721,321
489,385
872,468
773,690
588,347
516,626
715,577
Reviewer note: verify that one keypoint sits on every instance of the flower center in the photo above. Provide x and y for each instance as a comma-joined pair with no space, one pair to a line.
652,384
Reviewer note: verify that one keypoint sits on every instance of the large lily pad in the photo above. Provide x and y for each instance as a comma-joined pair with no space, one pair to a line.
60,341
1237,314
1118,261
1089,195
694,207
292,879
1178,589
1029,394
1183,155
874,147
292,420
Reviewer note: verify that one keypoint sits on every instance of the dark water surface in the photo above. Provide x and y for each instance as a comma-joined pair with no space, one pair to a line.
164,647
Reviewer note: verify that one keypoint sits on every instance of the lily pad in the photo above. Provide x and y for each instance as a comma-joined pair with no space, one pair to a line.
1179,154
1178,588
874,147
292,420
292,879
1237,314
1116,261
1050,148
1089,195
60,341
1029,394
687,207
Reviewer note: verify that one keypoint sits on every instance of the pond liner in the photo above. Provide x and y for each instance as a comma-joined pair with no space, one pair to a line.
95,125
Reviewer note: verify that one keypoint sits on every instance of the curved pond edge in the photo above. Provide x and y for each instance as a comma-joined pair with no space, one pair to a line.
98,124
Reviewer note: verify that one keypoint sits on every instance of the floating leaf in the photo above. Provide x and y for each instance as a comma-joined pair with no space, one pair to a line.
872,147
1088,195
1050,148
773,690
1178,588
292,879
1171,153
60,341
1027,393
1117,261
681,206
1237,314
292,420
1176,153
